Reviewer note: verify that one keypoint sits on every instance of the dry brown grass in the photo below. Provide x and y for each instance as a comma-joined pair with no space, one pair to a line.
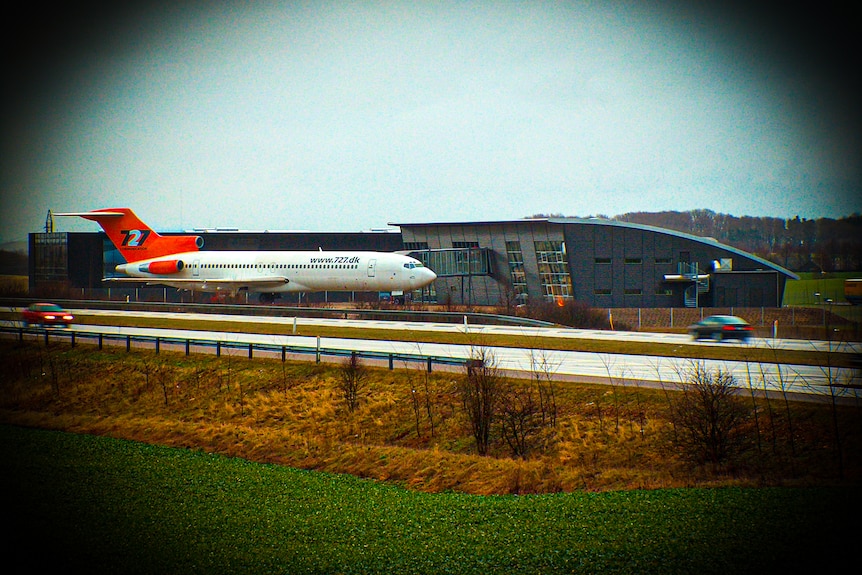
14,286
606,438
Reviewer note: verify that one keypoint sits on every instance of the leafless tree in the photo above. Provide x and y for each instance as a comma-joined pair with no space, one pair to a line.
480,395
426,393
711,416
415,402
426,379
656,365
609,364
353,377
232,368
543,369
148,365
785,380
639,412
285,384
155,372
754,407
520,418
164,376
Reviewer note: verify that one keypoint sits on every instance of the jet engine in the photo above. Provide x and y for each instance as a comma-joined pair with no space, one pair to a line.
162,267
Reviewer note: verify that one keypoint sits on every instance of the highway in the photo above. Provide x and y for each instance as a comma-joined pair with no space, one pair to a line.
607,368
478,330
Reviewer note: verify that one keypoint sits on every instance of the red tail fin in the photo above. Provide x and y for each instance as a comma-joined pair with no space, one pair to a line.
135,240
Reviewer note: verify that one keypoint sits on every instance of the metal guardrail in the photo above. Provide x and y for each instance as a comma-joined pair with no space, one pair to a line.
218,346
289,311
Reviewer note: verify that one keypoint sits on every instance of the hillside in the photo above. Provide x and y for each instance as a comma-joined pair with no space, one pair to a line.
823,244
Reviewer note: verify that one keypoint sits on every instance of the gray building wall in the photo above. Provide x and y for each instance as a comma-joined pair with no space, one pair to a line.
631,263
611,264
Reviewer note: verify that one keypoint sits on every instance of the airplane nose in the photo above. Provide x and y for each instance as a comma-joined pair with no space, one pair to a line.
427,276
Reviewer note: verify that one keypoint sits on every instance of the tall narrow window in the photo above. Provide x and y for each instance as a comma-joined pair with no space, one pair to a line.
553,269
516,271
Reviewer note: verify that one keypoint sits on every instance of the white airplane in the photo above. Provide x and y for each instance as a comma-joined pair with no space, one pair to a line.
177,261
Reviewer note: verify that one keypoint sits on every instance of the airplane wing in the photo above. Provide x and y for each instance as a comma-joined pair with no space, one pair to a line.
192,283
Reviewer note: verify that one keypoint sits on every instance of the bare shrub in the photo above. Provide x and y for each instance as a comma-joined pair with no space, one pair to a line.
520,418
352,378
710,417
480,393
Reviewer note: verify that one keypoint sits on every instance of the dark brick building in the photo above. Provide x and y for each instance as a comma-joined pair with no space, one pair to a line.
602,263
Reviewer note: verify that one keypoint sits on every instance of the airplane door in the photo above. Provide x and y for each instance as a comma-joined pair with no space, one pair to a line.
196,268
372,264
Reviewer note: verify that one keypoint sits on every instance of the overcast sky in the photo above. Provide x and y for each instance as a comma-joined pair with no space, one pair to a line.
345,116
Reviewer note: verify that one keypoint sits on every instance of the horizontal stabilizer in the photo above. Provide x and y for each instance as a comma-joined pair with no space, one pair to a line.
91,214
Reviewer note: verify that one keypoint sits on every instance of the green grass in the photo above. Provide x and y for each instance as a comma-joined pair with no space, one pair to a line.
830,286
100,505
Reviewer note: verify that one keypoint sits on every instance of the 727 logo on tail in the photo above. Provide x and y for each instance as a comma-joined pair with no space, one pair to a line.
134,238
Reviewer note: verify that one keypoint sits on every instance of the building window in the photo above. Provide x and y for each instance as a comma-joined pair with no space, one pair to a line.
516,271
456,261
634,261
51,257
603,260
663,260
633,291
466,245
602,291
553,269
415,245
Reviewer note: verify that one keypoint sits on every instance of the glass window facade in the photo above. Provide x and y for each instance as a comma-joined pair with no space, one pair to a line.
553,269
456,262
516,271
51,257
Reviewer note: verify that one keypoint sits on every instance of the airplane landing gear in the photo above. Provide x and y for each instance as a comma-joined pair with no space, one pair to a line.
268,297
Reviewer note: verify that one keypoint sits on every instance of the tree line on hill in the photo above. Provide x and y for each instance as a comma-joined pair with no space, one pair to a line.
798,244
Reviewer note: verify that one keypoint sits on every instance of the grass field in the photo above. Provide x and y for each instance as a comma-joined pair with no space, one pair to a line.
213,483
80,503
815,289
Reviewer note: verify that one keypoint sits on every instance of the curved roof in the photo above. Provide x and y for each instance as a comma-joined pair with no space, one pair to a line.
603,222
709,241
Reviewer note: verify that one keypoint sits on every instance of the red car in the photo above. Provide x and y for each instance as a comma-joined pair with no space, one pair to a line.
46,314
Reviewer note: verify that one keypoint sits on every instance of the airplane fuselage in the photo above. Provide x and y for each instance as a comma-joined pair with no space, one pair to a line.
281,271
178,261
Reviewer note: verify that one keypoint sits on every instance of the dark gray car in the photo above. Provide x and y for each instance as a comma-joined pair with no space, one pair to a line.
721,327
